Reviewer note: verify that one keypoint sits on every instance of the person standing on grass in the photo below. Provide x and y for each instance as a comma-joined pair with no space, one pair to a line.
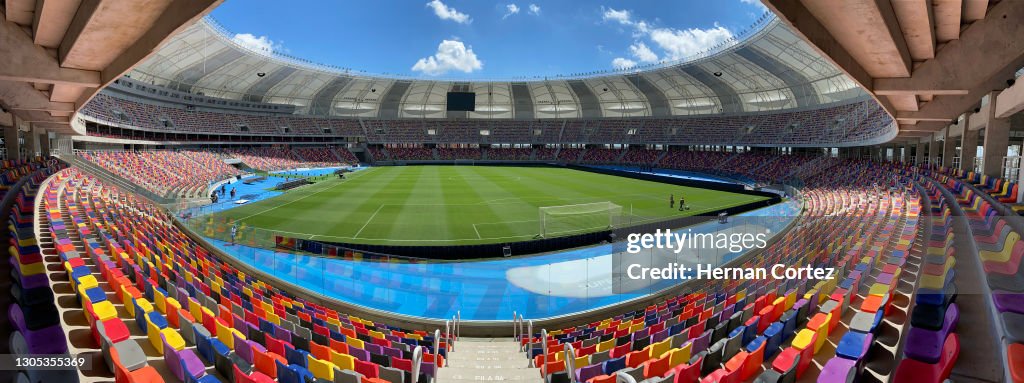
671,201
234,231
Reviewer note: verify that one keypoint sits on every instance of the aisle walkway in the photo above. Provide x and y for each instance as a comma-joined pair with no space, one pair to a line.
480,360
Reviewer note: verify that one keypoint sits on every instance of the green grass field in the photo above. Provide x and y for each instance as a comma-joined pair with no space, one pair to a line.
460,205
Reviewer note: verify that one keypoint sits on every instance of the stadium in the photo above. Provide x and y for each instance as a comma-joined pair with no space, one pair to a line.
754,191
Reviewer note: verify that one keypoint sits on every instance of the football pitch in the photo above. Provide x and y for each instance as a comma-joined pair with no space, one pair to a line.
463,205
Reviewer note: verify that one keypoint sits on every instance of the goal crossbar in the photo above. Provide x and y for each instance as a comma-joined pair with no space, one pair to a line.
578,218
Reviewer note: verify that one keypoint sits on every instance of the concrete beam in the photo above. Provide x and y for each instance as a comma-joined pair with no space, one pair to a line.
1010,101
25,61
947,19
806,25
985,51
179,15
52,18
975,10
892,87
20,11
873,37
50,107
916,21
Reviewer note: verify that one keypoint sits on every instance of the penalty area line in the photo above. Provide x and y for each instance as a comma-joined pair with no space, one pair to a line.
368,221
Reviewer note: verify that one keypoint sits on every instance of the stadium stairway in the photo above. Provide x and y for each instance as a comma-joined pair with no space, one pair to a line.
484,359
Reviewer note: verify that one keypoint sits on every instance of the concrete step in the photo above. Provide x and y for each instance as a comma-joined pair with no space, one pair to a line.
446,373
489,362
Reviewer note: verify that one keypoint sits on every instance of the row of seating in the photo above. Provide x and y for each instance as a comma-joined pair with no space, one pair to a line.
724,333
1000,250
147,289
932,346
35,321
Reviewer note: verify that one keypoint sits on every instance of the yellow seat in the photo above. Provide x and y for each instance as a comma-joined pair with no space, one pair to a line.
354,342
878,289
606,345
656,349
172,336
804,339
679,356
343,361
320,368
1003,255
159,301
104,310
88,281
819,324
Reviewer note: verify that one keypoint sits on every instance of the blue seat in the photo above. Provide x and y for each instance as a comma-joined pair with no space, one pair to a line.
854,345
292,373
611,365
774,335
756,343
297,356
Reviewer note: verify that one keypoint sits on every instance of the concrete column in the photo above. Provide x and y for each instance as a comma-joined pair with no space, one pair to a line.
997,135
31,142
933,150
968,146
11,141
948,149
44,143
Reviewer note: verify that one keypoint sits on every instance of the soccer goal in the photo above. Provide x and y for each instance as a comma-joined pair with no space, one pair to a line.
579,218
465,162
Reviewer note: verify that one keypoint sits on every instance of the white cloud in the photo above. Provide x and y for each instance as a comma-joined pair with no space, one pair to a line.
534,9
510,9
679,44
451,55
756,3
260,43
675,44
620,16
643,53
623,63
445,12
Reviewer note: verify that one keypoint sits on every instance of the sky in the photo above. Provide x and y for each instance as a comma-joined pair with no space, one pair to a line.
476,39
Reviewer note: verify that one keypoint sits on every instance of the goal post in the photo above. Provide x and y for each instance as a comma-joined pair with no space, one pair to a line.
579,218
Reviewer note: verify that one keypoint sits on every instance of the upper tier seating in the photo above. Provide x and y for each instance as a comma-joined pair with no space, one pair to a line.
840,123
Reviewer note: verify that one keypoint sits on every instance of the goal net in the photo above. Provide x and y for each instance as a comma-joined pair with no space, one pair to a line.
580,218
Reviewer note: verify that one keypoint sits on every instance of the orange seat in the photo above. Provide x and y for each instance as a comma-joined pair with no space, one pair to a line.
264,362
657,367
636,358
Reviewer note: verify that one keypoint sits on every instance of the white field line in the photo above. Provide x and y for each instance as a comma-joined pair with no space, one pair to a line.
527,236
304,197
368,221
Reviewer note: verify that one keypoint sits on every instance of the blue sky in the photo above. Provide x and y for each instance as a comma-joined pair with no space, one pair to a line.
475,39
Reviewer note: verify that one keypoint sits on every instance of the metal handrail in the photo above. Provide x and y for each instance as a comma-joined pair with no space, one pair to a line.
417,359
570,362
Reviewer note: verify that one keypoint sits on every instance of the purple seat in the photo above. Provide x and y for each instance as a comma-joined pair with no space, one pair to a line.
374,348
659,336
360,354
926,345
40,340
838,370
1006,301
428,369
181,361
584,374
243,348
701,342
392,352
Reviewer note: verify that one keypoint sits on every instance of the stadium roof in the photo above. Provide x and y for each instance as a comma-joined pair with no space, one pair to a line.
770,69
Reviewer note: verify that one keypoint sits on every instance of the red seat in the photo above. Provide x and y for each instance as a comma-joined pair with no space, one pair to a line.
655,367
688,372
636,358
256,377
910,370
722,375
1015,356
